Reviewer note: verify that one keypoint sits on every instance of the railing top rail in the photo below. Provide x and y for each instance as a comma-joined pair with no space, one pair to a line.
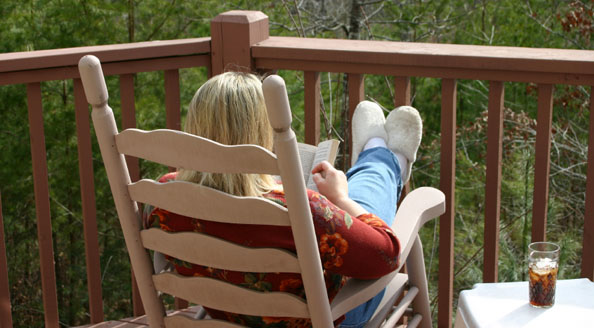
450,56
29,60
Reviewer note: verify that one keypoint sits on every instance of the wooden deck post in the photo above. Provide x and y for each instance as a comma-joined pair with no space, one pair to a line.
232,35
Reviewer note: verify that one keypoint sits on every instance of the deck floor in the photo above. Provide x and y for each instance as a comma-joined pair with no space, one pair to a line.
141,321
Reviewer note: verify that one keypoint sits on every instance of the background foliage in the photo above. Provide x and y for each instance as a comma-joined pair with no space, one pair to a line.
49,24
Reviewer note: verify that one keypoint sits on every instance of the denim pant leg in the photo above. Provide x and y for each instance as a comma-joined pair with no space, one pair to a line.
375,183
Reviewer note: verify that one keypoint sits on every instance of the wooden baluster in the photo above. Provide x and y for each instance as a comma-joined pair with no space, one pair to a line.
312,107
447,185
542,162
42,205
5,312
87,191
493,181
588,241
402,98
172,103
401,91
173,122
129,118
356,84
129,121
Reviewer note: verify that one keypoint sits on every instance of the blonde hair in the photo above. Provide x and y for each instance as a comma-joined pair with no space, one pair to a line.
229,108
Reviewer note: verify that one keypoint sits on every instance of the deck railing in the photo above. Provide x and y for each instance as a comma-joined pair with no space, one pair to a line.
242,39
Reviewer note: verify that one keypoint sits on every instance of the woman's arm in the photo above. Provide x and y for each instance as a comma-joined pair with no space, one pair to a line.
361,247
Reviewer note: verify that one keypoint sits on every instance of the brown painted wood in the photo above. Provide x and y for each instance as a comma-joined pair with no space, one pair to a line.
356,85
87,190
216,48
447,186
398,69
426,55
180,304
42,205
588,241
401,91
493,181
312,107
29,60
129,121
115,68
5,307
402,98
172,103
542,162
129,118
233,34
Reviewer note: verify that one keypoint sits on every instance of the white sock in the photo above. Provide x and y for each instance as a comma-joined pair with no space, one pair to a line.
380,142
375,142
403,161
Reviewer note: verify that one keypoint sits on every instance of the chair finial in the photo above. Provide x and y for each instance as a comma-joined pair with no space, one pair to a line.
93,82
277,102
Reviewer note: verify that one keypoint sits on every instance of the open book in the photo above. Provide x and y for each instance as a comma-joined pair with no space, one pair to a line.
312,155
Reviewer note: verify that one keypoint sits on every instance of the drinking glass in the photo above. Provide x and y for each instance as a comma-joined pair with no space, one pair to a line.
543,265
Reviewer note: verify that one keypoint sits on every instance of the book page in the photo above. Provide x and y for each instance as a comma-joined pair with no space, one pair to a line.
307,153
326,151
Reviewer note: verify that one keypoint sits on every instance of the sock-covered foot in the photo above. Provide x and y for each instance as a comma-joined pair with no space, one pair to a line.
368,122
404,128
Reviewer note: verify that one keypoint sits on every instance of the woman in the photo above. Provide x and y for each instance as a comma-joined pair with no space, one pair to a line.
352,213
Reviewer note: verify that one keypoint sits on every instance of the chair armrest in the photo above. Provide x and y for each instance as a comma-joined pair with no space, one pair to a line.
418,207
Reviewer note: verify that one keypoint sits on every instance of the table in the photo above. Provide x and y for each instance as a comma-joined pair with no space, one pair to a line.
506,305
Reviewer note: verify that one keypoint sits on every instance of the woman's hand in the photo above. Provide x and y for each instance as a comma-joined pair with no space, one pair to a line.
333,184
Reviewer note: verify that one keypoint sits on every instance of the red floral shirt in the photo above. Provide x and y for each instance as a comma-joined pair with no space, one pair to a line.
363,247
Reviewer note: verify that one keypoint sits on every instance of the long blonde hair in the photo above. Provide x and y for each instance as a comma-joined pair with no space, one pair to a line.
229,108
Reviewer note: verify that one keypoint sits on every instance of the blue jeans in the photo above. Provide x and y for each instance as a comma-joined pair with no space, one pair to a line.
375,183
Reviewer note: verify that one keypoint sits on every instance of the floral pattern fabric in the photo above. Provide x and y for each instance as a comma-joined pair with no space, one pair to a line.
363,247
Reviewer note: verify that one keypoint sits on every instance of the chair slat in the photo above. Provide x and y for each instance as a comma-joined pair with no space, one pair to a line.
214,252
181,321
188,199
357,291
183,150
216,294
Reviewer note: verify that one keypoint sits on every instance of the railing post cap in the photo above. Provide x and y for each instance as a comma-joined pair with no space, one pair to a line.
240,16
93,81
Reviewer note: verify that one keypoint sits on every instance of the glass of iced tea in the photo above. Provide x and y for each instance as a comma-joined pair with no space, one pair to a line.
543,265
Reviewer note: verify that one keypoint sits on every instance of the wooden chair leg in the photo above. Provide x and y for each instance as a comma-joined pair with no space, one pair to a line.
418,277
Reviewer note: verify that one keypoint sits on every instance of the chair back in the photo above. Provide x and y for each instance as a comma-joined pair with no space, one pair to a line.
182,150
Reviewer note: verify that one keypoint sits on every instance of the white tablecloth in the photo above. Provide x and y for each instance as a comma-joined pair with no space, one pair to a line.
506,305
